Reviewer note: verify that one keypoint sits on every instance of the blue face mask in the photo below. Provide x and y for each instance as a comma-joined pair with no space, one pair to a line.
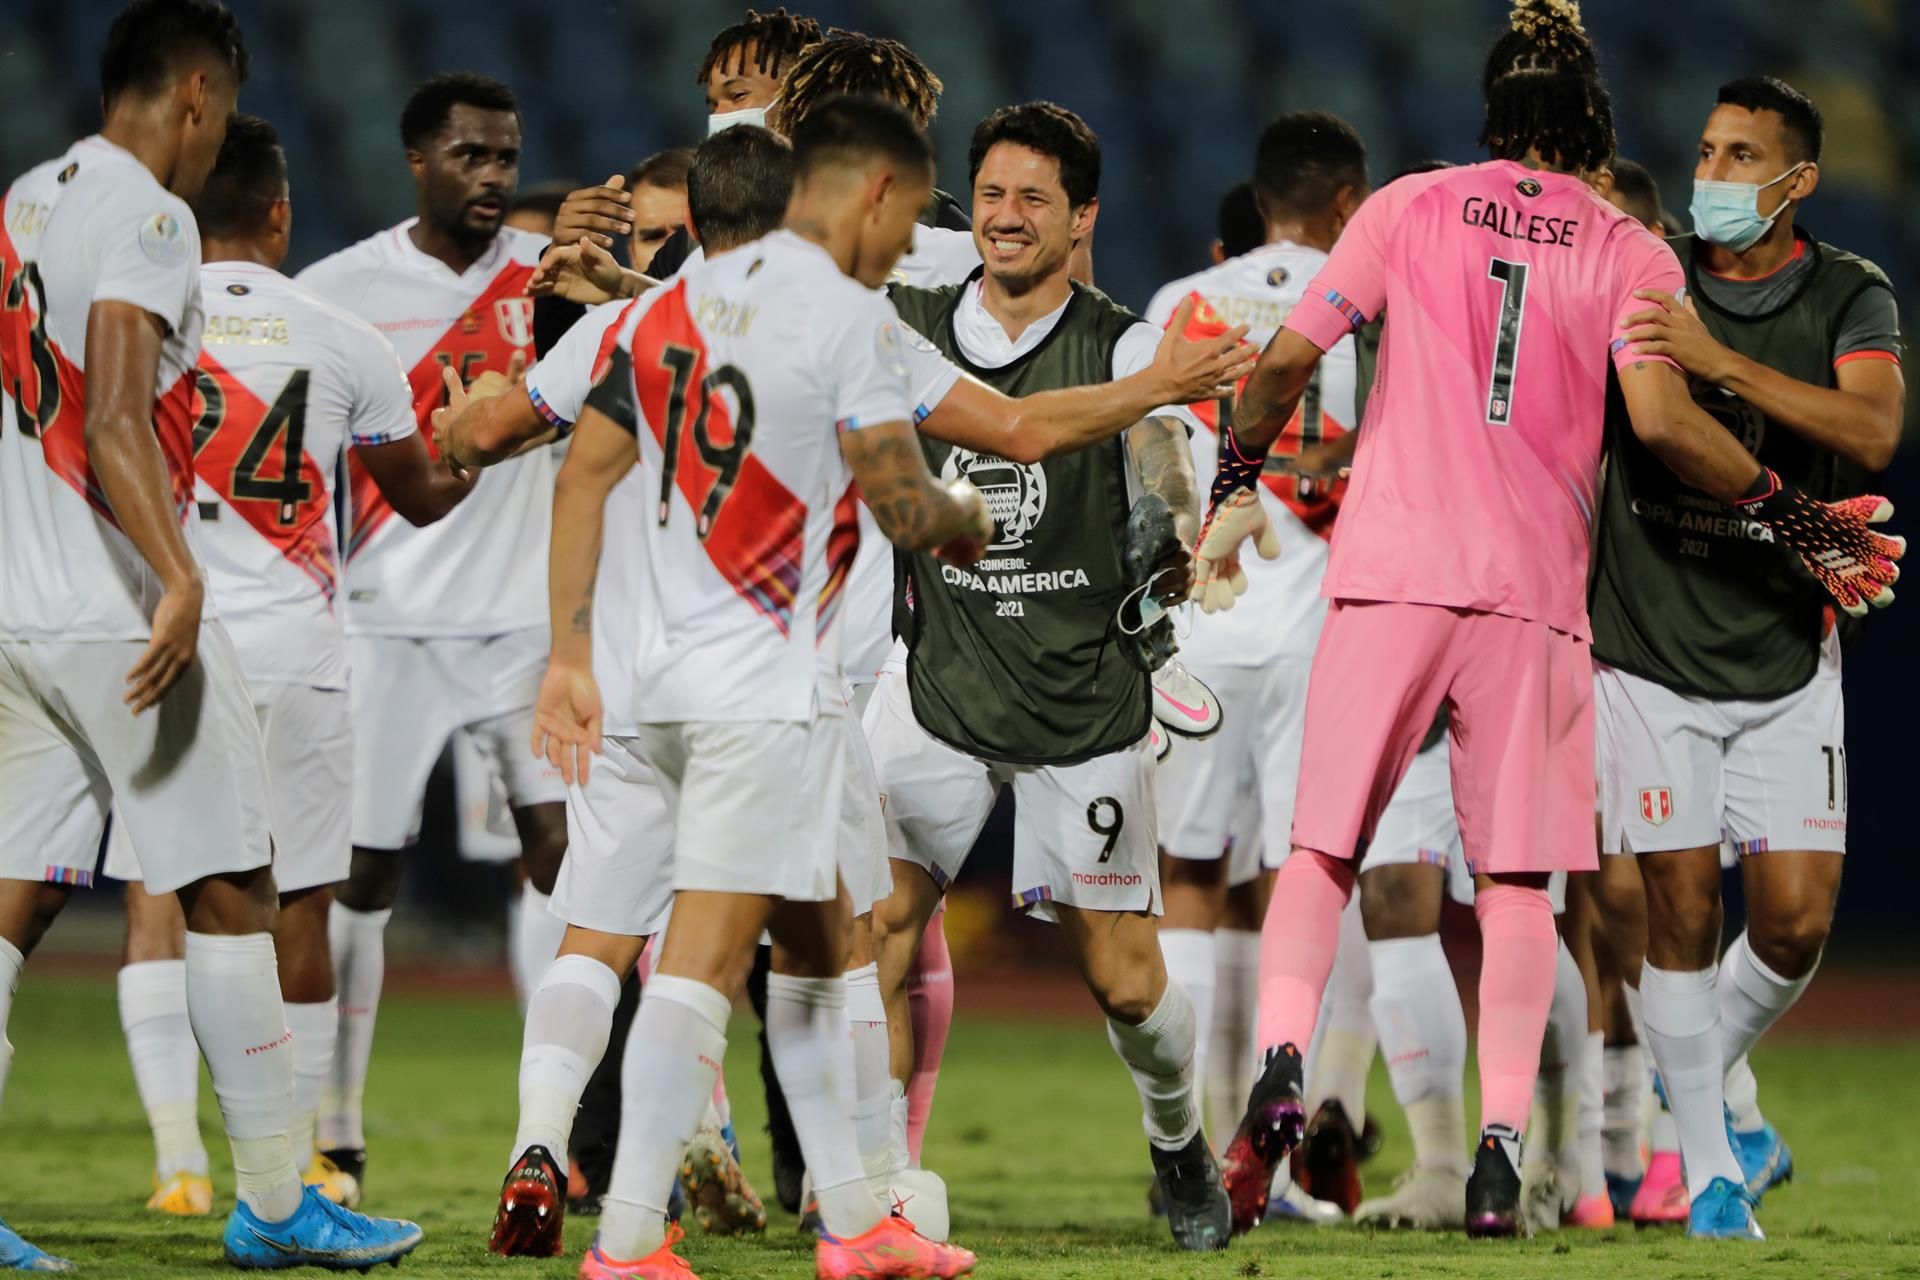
1728,213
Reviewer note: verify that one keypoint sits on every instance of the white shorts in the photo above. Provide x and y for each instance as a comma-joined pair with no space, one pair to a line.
754,805
1084,834
409,697
308,737
189,777
1212,793
617,876
1683,771
1418,826
487,833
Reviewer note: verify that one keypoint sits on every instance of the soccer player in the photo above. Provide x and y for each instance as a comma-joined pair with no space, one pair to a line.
105,618
1632,190
1242,227
285,382
1719,686
739,186
659,187
1016,674
732,698
1228,799
445,625
1459,573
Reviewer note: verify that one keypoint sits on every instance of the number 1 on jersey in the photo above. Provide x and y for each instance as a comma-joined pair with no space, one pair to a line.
1506,345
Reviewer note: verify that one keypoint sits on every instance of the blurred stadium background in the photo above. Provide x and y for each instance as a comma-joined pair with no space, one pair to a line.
1178,94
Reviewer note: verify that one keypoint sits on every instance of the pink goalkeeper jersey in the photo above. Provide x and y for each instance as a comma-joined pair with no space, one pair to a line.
1505,290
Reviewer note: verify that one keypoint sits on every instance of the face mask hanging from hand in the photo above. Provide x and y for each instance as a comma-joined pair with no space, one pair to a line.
746,115
1728,213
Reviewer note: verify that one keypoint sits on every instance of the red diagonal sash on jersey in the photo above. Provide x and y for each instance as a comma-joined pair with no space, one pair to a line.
1316,513
843,543
495,324
758,536
302,535
49,394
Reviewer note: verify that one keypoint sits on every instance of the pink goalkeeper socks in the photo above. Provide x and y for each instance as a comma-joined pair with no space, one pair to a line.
1297,945
1518,947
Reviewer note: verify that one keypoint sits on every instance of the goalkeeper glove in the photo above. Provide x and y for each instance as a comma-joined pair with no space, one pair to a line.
1853,563
1218,579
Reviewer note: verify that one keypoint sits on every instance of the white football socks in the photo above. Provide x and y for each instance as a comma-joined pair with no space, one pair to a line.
872,1088
11,962
1344,1039
315,1027
1626,1093
1191,962
1230,1051
1743,1097
1752,998
233,1000
568,1021
812,1047
674,1050
166,1062
534,935
1423,1036
1556,1091
1683,1029
1159,1056
359,943
1593,1158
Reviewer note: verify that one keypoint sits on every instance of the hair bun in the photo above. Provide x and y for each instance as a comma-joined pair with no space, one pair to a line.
1551,24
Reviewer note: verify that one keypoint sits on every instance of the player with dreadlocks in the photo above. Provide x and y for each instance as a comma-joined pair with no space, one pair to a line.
1459,577
741,76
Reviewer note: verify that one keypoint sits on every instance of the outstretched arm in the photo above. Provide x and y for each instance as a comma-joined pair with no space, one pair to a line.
915,511
1040,426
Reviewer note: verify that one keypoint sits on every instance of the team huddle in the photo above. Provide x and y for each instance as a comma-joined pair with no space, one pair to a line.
746,577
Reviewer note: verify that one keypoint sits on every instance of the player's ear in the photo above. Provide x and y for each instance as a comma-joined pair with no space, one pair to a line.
1802,184
883,185
1084,217
194,88
1217,253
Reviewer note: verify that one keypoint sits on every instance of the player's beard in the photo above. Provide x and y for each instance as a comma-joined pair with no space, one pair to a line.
463,226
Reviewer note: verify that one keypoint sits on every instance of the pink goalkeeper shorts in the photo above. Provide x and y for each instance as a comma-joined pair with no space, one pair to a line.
1521,700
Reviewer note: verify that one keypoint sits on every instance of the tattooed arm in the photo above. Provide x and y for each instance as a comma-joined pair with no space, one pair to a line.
915,511
567,715
1165,461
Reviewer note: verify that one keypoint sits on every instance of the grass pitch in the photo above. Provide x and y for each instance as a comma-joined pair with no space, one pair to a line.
1035,1130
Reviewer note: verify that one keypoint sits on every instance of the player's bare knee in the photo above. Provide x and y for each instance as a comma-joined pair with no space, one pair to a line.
1790,944
1401,901
1127,993
373,880
156,927
28,910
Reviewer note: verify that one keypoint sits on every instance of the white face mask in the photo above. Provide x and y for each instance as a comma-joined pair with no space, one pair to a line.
745,115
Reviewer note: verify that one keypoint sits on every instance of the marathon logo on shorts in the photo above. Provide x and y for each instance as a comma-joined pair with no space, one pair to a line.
1656,805
1107,879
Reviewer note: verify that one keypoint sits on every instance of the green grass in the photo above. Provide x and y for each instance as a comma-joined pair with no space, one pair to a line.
1035,1131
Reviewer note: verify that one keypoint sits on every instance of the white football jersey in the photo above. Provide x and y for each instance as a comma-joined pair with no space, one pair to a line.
108,232
737,379
483,569
286,382
1282,610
